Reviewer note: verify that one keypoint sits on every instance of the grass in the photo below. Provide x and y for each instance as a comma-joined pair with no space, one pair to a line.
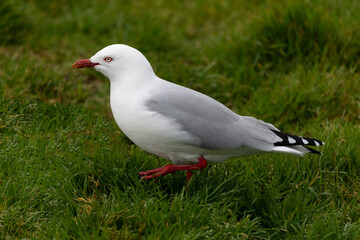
67,171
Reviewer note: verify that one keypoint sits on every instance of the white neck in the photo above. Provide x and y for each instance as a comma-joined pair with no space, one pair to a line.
132,80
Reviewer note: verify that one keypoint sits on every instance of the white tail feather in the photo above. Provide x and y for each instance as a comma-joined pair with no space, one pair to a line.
294,150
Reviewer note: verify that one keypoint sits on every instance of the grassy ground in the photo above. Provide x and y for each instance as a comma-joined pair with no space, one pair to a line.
66,170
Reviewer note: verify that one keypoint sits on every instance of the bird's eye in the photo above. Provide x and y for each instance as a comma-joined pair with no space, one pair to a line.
108,59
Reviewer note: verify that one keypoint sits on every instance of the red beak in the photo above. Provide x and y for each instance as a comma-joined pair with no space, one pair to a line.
84,63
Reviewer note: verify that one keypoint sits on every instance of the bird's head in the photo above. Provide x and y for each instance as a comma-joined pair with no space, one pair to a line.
116,61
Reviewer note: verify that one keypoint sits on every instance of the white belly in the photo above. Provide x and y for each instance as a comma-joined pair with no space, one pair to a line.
152,131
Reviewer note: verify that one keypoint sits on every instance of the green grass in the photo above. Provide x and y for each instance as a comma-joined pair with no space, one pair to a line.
67,171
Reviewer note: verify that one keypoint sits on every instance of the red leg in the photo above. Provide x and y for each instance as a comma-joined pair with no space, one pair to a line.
171,168
151,172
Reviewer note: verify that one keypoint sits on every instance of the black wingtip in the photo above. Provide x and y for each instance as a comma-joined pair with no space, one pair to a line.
291,140
312,150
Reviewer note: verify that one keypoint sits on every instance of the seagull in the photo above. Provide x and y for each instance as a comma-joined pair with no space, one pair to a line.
180,124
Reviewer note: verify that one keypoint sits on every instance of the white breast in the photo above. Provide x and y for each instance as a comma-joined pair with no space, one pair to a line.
149,130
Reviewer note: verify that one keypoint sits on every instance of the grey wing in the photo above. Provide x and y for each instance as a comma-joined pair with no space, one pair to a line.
214,124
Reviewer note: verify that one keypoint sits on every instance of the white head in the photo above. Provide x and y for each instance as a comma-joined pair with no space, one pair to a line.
118,61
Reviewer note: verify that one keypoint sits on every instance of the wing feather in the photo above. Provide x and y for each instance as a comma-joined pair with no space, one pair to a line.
213,123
